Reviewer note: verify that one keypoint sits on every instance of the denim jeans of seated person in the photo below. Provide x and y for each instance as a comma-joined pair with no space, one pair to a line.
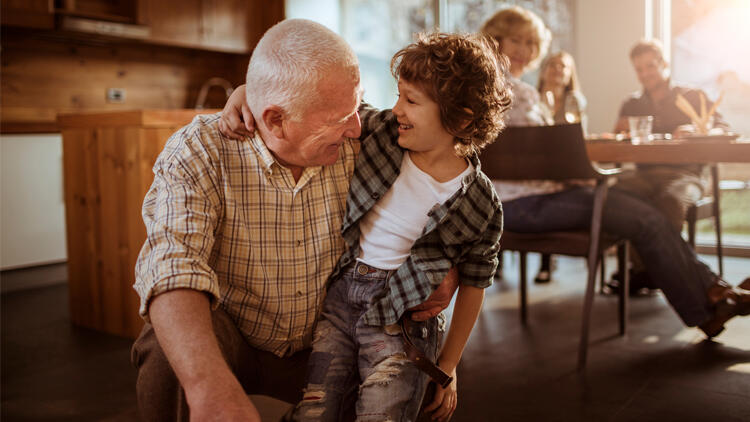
669,261
362,365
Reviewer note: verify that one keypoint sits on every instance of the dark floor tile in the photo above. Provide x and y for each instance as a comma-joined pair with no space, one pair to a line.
659,371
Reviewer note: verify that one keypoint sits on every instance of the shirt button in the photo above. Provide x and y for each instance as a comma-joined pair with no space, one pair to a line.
299,243
299,293
375,195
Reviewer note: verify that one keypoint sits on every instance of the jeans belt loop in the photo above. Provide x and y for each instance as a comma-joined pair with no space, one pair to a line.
418,357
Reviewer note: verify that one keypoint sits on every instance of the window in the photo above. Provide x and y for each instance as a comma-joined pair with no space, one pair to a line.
709,44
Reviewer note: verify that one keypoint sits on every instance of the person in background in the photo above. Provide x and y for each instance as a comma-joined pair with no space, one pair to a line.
242,235
562,98
700,297
524,39
560,90
670,188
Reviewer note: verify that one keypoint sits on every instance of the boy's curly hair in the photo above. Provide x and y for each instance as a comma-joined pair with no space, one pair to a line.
464,75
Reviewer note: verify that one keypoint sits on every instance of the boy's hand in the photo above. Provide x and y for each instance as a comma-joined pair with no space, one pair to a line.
236,119
444,404
438,300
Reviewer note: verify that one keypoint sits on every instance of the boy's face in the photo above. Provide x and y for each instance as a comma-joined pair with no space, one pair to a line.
420,128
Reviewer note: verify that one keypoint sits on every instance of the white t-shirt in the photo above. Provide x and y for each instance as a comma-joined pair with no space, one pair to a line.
396,221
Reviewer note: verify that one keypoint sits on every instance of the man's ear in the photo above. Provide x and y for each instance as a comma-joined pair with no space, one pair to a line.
273,119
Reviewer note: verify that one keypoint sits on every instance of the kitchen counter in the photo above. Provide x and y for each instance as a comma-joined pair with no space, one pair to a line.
107,161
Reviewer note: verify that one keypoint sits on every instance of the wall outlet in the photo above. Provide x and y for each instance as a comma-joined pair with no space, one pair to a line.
115,95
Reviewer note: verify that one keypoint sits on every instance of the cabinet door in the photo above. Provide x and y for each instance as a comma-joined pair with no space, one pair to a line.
175,22
225,25
28,13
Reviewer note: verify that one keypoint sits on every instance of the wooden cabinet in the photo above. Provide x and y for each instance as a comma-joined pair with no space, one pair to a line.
107,161
28,13
126,11
220,25
230,26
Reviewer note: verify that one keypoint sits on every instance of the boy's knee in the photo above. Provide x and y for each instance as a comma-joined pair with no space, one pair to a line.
387,370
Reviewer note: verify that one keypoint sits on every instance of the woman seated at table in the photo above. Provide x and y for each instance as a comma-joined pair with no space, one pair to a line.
524,39
563,100
560,90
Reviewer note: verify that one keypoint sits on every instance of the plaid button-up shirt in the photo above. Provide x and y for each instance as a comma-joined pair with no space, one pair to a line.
223,217
464,231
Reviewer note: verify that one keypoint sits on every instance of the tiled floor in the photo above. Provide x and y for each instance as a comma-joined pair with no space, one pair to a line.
660,371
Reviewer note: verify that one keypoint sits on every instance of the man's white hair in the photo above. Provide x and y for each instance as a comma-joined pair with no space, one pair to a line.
289,61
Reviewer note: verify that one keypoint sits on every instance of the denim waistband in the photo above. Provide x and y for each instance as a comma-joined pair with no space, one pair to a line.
360,270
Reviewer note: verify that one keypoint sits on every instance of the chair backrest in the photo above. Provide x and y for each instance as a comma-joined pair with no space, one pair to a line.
539,153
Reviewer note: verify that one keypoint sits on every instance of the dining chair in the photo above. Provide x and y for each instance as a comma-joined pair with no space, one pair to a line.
557,153
707,207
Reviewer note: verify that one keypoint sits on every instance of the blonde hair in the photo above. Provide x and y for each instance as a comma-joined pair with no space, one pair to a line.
573,84
514,20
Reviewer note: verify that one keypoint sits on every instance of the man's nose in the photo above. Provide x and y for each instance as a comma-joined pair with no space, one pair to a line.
354,126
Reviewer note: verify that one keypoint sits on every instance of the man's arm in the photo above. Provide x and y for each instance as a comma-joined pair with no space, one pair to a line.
175,281
182,323
439,299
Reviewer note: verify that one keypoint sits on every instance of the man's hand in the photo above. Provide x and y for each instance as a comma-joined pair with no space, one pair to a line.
438,300
236,119
183,327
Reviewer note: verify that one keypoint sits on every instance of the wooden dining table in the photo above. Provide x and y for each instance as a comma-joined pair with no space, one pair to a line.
671,151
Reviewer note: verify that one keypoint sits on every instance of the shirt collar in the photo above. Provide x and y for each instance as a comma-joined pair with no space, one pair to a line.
266,157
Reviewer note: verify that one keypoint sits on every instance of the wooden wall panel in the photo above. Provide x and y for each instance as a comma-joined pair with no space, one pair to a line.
42,76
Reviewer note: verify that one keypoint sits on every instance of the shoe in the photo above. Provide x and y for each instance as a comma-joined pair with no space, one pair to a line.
728,302
543,277
640,284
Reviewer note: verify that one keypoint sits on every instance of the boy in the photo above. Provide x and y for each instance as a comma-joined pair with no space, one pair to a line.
418,205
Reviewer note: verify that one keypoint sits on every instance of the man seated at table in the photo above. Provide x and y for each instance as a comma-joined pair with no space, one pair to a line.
671,188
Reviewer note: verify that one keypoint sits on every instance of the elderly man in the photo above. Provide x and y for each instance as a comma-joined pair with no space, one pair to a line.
242,235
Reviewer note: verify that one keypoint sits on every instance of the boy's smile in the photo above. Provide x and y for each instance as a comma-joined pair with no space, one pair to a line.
420,129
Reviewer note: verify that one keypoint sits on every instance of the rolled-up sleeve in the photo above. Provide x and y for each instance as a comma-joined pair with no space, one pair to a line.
180,212
479,263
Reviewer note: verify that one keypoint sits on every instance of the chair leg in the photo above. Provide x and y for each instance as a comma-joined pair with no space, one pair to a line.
603,271
522,284
586,318
691,231
622,263
717,216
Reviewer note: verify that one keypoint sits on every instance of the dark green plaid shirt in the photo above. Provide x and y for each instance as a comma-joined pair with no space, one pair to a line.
463,232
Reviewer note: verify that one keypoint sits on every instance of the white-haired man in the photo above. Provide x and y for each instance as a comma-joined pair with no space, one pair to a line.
242,235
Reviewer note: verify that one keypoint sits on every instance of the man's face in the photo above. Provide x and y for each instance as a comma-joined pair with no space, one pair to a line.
315,139
651,70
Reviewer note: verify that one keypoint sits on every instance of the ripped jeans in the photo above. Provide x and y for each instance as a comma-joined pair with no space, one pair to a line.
362,365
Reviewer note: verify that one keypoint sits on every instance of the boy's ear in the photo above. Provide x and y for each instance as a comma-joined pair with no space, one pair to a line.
273,119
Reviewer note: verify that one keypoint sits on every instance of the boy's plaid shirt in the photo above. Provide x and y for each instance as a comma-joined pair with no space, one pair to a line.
463,232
